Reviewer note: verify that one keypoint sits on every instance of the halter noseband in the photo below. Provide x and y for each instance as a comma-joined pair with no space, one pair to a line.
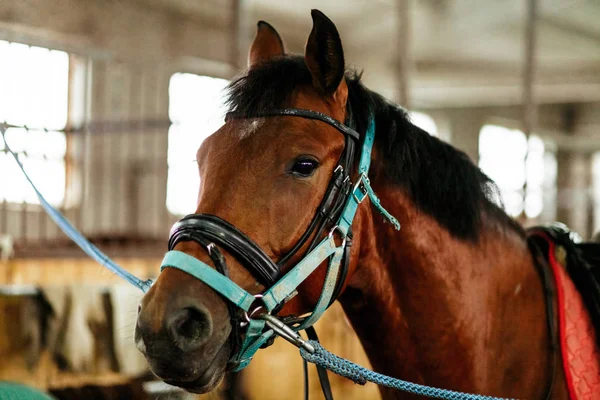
336,212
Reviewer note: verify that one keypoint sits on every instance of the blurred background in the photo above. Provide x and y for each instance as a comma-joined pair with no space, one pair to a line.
106,102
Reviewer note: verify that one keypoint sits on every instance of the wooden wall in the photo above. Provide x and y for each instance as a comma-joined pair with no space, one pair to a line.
275,373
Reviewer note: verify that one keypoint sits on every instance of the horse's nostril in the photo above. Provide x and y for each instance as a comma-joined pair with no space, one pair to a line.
193,325
190,327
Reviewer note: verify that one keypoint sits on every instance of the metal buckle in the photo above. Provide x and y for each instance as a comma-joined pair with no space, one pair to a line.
248,317
342,234
279,328
287,333
209,248
359,187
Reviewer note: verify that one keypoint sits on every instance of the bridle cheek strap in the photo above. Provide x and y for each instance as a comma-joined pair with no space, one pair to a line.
286,286
327,291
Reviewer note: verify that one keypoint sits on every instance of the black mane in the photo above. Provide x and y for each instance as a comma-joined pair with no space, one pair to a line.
441,180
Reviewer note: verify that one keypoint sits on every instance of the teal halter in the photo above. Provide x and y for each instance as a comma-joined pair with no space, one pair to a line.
259,330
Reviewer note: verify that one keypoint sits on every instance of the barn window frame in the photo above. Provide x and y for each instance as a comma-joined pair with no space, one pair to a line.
34,117
523,168
196,110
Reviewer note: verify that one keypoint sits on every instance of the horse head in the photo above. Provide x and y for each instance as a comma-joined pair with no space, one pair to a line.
267,178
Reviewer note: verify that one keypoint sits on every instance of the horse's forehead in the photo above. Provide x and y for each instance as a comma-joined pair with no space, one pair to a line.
245,136
249,127
264,135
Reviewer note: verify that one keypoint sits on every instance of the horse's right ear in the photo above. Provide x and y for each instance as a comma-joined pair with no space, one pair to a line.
267,44
324,55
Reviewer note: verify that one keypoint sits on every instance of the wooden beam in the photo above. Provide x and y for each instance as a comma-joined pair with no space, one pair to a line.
475,95
102,29
529,104
404,52
234,34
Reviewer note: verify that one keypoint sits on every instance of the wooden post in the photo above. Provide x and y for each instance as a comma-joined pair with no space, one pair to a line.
529,105
236,35
404,63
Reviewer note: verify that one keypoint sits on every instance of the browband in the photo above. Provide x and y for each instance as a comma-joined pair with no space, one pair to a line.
299,112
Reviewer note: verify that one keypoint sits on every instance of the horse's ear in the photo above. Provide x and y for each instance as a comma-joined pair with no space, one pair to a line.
324,55
267,44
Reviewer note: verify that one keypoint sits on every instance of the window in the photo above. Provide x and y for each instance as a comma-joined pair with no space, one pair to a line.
521,168
196,111
424,122
33,104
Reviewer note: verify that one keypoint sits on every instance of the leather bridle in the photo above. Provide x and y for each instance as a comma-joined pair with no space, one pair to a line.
335,214
212,232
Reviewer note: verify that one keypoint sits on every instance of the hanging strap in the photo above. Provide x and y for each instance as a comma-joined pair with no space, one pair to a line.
363,188
322,372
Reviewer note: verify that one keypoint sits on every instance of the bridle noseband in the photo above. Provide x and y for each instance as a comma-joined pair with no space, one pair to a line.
216,231
335,213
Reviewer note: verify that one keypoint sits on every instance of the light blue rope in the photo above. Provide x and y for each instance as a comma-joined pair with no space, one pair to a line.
76,236
361,375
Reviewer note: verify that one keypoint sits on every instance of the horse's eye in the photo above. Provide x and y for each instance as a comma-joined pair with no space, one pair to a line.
304,167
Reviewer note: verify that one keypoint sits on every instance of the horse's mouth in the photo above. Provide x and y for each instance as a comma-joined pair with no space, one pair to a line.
202,382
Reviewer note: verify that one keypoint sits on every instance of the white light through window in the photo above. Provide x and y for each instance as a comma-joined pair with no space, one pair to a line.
196,111
33,94
512,161
424,122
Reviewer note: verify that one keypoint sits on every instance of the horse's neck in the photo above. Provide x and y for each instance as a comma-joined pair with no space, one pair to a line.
441,311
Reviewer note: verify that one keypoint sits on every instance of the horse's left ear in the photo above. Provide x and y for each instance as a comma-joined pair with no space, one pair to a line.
324,55
267,44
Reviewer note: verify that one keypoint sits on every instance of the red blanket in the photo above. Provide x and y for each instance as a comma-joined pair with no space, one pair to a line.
580,354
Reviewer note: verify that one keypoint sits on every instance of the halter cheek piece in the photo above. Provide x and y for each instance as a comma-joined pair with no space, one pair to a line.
335,212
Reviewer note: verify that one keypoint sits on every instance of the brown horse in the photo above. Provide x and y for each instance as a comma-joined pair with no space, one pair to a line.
453,300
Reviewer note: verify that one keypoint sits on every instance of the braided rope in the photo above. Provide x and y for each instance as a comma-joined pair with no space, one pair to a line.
361,375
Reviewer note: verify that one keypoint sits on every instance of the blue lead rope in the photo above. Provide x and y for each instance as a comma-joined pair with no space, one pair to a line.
76,236
361,375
